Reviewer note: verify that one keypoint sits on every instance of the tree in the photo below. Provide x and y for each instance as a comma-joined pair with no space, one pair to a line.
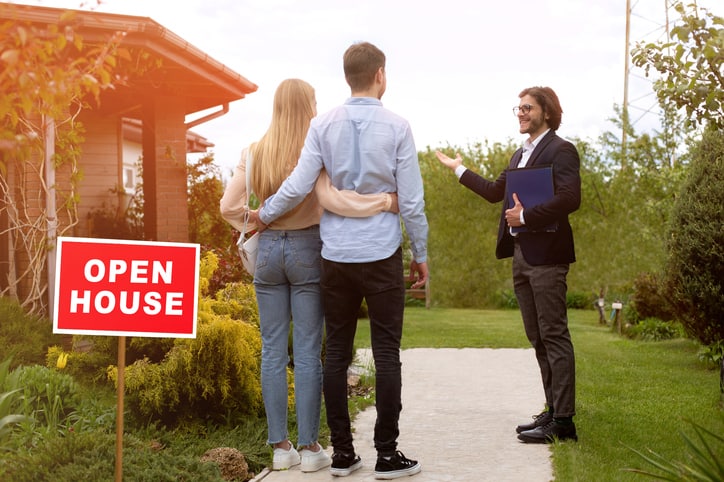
463,230
48,75
695,268
690,66
205,188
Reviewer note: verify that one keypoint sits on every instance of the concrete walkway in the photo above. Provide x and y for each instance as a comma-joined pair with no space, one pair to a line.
460,410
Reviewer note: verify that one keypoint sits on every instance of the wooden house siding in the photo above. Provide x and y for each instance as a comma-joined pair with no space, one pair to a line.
178,81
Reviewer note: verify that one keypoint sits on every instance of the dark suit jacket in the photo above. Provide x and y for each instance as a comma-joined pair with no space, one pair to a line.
541,247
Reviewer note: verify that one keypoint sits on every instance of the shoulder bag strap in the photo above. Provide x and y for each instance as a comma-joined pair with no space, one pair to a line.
248,190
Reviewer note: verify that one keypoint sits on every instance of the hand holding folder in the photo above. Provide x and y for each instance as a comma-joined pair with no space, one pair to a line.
534,186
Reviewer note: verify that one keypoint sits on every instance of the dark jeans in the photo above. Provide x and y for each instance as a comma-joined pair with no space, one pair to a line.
541,293
344,285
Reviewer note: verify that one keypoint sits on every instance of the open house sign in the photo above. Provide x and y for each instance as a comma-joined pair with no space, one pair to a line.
126,288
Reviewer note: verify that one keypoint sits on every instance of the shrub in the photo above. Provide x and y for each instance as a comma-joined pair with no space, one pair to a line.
24,337
237,300
649,299
579,301
229,269
87,365
713,354
204,378
91,456
506,299
10,393
695,267
48,396
653,329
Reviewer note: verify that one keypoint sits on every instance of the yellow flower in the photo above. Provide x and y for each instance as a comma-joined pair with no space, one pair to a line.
62,361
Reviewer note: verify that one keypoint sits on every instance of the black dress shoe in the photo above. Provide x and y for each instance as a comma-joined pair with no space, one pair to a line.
549,433
538,420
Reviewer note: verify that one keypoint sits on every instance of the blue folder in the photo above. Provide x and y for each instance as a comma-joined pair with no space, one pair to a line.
534,186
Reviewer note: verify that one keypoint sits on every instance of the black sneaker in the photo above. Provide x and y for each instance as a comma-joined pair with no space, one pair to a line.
344,464
551,432
538,421
394,466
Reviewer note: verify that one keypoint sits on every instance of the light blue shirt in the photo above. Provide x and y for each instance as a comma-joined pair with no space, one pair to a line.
369,149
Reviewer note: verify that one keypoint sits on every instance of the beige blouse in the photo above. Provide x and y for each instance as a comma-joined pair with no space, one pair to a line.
309,211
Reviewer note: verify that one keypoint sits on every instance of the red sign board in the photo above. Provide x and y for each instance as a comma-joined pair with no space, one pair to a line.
126,288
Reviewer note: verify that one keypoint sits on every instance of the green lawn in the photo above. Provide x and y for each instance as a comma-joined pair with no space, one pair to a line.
629,393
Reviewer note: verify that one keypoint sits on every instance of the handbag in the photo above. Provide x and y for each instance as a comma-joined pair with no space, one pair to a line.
248,247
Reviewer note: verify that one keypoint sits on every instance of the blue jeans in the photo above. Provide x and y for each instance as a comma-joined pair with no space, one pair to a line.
344,285
287,293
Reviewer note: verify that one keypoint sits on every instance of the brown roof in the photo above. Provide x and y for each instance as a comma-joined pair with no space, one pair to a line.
184,71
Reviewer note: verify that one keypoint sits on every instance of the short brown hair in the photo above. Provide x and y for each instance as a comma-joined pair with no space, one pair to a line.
362,60
549,102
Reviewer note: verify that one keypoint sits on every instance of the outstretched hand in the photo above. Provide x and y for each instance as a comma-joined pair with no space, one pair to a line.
512,215
448,161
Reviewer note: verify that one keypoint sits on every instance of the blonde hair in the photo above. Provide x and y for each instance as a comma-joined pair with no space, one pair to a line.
277,152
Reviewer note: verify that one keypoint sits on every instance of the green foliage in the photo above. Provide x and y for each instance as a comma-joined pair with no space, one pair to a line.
208,228
49,74
703,463
48,70
238,301
649,299
506,299
463,230
48,397
91,456
690,65
216,373
125,219
88,360
614,241
620,228
10,393
653,329
577,300
713,354
230,269
23,336
695,268
205,188
205,378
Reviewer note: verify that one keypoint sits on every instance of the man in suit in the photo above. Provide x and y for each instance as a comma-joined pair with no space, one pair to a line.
541,255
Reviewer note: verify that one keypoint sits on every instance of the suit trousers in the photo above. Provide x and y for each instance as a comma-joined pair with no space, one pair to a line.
541,293
344,286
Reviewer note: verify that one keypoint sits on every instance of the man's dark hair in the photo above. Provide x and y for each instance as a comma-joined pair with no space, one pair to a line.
549,102
361,62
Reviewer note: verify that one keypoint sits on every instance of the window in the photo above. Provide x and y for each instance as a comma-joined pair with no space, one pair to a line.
129,179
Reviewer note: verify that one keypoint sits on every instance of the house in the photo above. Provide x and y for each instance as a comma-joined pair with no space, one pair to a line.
132,150
176,80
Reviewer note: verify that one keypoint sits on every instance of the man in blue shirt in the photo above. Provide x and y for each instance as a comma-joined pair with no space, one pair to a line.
366,148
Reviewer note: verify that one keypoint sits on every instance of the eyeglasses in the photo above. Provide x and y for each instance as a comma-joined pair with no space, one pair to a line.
525,108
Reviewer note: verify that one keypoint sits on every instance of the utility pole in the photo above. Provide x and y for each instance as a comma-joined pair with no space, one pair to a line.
624,113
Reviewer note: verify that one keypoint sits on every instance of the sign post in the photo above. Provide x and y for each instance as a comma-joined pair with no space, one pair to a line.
125,288
119,406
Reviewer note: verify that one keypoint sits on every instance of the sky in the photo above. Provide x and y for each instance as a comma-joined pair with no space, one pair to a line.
454,68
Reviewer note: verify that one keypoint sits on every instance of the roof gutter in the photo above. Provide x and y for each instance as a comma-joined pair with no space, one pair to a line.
224,110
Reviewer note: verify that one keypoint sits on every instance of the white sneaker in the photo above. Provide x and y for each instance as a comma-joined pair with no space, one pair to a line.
283,459
313,461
